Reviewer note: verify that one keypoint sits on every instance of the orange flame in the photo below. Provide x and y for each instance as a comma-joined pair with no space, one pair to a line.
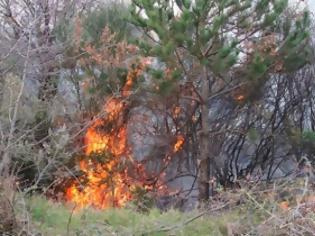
179,143
240,98
106,183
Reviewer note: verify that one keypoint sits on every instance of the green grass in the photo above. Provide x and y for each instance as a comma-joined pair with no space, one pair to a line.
53,219
252,212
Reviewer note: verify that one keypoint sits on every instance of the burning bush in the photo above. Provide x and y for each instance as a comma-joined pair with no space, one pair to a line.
109,174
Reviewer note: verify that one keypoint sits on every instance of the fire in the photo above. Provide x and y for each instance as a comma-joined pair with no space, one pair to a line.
105,181
107,184
240,98
179,143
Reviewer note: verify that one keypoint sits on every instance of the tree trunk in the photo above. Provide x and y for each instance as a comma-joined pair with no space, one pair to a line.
5,164
204,162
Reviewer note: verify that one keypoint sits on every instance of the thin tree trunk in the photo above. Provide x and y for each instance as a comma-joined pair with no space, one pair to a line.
204,164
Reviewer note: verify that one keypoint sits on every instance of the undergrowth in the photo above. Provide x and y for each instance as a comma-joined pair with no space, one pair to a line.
282,208
51,218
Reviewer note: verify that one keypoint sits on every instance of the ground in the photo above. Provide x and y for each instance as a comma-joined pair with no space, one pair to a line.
275,209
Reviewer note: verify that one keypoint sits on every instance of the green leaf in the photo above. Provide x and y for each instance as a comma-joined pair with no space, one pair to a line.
157,74
186,3
103,76
309,136
205,35
166,87
186,16
224,52
176,74
262,6
280,6
258,67
218,22
168,49
270,19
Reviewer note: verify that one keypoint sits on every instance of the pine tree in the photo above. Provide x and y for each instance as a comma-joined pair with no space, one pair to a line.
220,38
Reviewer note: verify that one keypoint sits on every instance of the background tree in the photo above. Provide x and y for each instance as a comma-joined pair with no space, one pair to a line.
218,48
29,42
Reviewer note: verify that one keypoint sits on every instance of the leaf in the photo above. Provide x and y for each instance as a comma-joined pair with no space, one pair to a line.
186,3
166,87
103,76
157,74
176,74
